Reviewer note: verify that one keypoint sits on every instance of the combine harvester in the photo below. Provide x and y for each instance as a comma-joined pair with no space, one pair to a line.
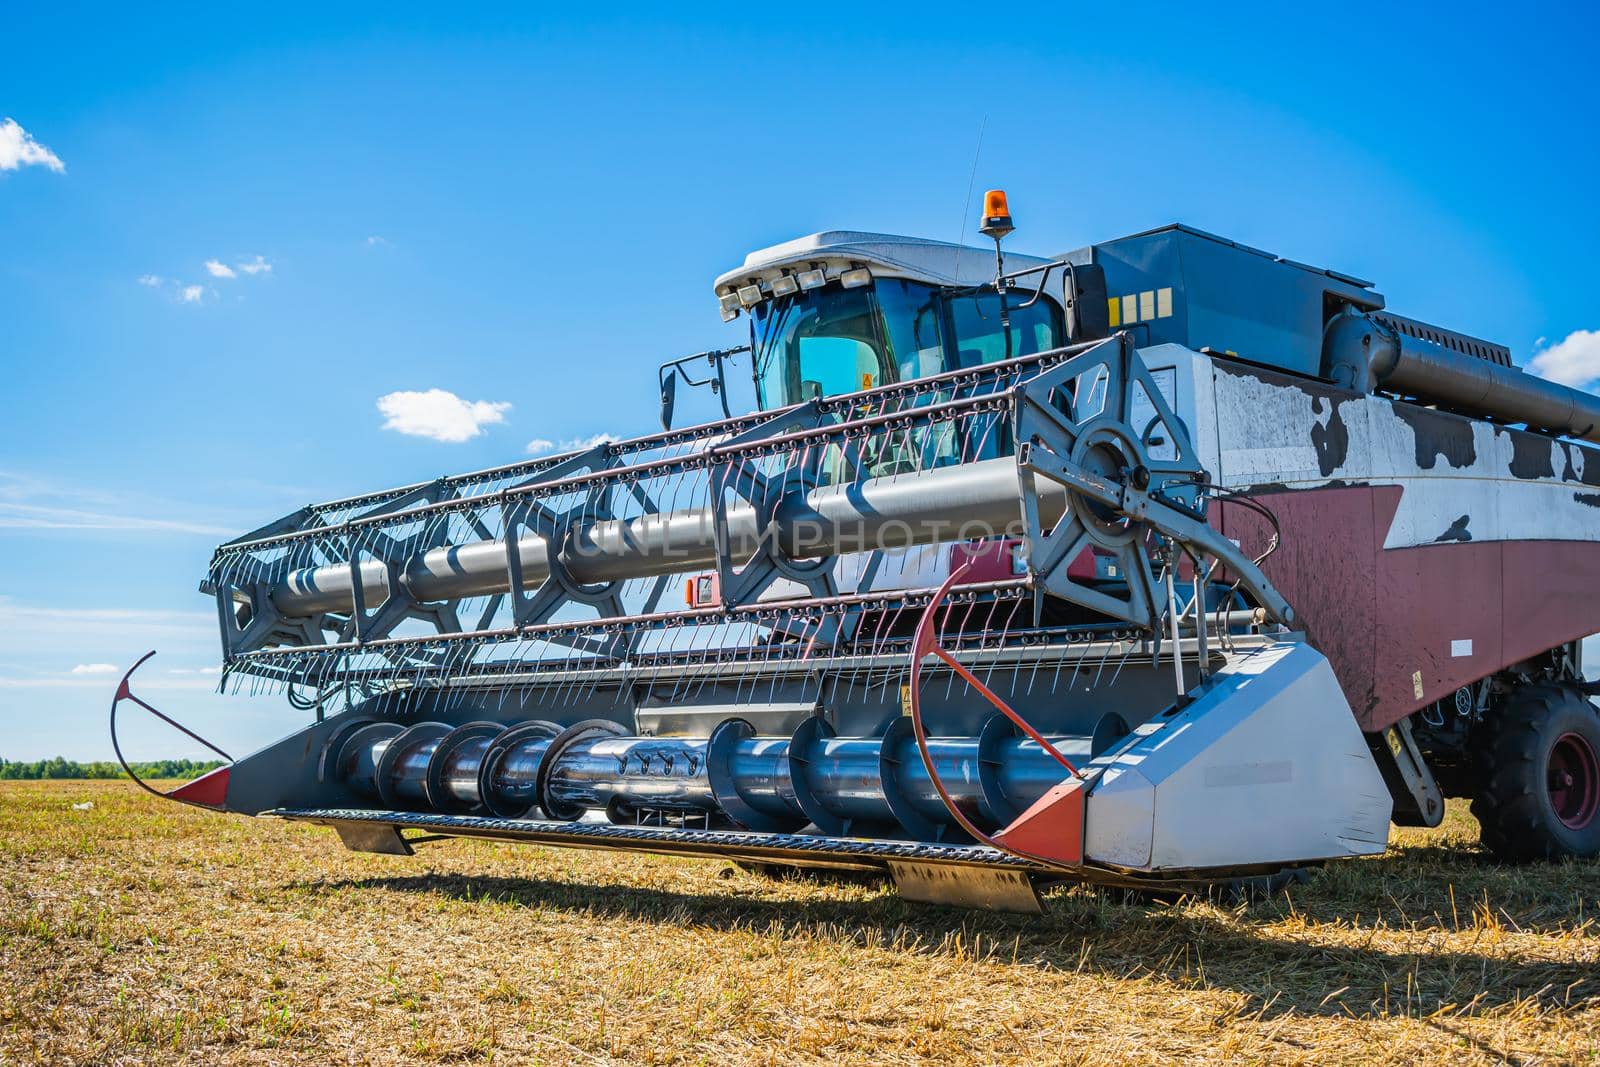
1163,563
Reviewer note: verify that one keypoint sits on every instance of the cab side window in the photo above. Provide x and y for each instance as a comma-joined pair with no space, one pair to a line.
979,339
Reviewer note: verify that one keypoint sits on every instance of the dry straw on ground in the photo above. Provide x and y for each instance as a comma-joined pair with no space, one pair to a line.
145,932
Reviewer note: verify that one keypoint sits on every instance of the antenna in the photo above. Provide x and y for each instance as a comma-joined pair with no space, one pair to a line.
966,206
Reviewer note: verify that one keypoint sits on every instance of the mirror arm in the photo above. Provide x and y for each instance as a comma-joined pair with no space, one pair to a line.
673,369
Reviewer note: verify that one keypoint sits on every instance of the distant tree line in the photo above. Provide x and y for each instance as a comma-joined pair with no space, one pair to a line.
67,768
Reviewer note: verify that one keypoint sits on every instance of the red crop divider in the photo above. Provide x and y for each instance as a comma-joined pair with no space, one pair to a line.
926,642
125,692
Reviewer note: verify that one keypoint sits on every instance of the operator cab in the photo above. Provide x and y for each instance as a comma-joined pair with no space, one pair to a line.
841,311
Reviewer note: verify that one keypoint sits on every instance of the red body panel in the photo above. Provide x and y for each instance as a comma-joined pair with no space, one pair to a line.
985,561
1390,620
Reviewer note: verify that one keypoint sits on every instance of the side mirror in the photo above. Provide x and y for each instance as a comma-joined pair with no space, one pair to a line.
716,379
1088,315
669,394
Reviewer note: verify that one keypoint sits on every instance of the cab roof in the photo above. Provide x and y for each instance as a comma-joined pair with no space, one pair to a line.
886,255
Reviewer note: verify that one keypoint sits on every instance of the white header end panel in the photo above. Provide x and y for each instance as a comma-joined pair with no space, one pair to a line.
1267,766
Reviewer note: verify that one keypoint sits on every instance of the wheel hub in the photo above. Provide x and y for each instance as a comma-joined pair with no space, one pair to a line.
1574,781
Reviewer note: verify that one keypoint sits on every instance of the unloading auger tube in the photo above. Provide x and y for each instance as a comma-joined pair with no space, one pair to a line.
1366,351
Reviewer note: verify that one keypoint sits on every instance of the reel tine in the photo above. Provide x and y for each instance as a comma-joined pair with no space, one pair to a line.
514,668
1005,631
445,683
708,658
464,690
858,663
1101,666
553,649
876,642
1121,661
752,669
966,621
583,689
566,671
1033,676
1077,664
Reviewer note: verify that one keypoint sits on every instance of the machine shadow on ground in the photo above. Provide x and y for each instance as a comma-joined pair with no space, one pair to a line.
1315,950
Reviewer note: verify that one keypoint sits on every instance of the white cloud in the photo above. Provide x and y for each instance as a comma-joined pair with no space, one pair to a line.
540,445
19,149
58,682
18,516
181,292
375,240
95,668
98,622
185,293
1573,360
31,504
439,414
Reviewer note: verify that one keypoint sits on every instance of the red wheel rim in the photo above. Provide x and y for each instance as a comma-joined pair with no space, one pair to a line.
1574,781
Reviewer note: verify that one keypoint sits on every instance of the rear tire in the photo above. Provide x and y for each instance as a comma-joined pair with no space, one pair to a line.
1537,759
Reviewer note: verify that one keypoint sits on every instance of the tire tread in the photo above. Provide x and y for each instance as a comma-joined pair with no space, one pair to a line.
1506,751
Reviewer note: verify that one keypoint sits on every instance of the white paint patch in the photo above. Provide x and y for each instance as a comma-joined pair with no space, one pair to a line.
1262,431
1499,508
1458,649
1247,464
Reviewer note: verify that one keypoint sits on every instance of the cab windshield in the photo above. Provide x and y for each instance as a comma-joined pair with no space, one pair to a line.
834,340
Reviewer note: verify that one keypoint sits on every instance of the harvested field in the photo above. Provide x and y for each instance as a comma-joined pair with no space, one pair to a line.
145,932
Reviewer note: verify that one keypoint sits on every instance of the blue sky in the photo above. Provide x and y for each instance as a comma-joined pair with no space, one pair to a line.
526,210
